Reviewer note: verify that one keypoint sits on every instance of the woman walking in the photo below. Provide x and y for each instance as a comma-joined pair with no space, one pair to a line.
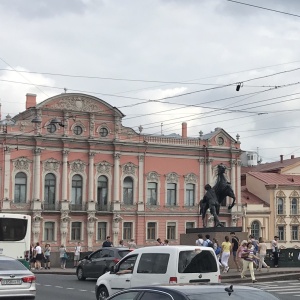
225,254
47,252
262,251
248,257
63,256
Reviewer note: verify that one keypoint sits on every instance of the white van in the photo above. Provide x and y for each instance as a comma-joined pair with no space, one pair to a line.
160,265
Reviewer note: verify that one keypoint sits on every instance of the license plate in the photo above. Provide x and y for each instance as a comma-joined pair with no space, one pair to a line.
11,281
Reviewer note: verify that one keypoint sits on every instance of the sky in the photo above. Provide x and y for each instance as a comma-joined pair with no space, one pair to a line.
163,62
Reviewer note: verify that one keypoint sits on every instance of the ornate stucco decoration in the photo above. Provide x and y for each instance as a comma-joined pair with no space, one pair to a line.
117,218
104,167
190,178
91,217
22,163
77,103
172,177
129,169
37,217
51,165
65,216
78,166
22,125
153,176
294,220
280,220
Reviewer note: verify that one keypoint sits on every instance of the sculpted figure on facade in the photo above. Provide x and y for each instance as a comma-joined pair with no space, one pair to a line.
172,177
78,166
129,169
104,167
51,165
65,216
22,163
153,176
190,178
77,103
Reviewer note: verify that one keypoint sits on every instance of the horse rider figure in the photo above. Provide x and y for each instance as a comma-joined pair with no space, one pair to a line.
210,200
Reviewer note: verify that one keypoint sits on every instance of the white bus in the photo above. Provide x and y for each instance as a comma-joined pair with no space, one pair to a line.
15,235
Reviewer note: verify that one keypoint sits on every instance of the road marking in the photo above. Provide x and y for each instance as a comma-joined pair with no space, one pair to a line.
70,288
59,287
82,290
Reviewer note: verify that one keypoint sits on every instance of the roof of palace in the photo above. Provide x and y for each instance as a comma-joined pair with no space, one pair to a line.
249,198
276,178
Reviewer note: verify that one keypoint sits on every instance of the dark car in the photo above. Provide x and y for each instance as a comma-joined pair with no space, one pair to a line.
99,262
191,292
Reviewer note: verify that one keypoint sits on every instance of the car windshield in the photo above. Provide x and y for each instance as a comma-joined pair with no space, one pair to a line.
11,265
123,253
235,295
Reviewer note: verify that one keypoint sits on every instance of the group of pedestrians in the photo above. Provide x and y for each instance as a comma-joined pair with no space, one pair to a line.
40,256
131,244
159,242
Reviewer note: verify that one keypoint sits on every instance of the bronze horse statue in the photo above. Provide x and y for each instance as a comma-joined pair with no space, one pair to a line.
222,189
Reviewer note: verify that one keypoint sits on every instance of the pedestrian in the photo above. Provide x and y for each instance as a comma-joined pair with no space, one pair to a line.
166,243
32,257
207,242
225,254
39,256
240,250
275,251
248,257
262,251
159,242
77,252
121,243
199,241
107,242
132,244
63,256
47,252
235,243
218,250
255,249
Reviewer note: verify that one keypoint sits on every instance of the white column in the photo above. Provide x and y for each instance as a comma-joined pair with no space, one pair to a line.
238,182
64,186
209,173
232,175
7,173
117,176
91,176
201,178
37,173
141,179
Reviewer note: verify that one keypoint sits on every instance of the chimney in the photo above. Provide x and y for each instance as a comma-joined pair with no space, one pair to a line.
184,130
281,158
30,100
292,156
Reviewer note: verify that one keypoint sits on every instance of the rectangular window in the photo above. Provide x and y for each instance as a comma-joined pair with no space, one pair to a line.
171,194
102,231
295,233
152,193
189,225
153,263
281,235
294,206
127,230
49,231
76,231
280,206
151,231
171,230
190,195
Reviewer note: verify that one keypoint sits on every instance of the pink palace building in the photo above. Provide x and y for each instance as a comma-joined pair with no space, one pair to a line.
71,164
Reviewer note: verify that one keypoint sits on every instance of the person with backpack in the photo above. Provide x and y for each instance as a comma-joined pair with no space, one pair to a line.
225,254
199,241
235,243
208,242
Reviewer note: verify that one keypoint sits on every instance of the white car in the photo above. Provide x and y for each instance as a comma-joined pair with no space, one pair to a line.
160,265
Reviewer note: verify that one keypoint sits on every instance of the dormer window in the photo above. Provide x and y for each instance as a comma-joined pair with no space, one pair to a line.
103,132
77,130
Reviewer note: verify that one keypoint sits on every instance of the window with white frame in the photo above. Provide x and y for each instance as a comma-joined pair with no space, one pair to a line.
127,230
151,231
101,230
295,232
280,203
49,228
171,194
294,206
76,231
281,233
152,193
20,188
76,200
49,193
171,230
255,229
128,191
102,193
190,194
189,225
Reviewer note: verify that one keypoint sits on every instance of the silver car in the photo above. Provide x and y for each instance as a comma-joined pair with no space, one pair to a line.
16,281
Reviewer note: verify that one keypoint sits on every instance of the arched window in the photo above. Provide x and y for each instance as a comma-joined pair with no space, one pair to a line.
152,193
190,194
279,206
255,229
128,191
49,198
102,192
294,206
20,188
76,201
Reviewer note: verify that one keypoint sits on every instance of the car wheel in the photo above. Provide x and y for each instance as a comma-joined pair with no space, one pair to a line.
102,293
80,274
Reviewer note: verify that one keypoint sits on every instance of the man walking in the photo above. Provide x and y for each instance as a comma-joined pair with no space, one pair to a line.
77,251
235,243
107,243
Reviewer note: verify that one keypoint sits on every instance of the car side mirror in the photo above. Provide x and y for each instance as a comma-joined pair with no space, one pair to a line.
112,269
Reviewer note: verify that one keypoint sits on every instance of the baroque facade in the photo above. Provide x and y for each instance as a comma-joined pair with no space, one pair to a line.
71,164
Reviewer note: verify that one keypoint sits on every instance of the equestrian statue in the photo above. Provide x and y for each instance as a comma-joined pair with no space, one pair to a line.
215,195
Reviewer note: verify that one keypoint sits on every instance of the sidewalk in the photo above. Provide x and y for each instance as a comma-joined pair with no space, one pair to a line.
231,277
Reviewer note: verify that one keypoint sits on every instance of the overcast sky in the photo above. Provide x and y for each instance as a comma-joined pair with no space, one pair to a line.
188,55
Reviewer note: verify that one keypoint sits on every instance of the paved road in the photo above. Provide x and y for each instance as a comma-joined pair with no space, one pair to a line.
61,287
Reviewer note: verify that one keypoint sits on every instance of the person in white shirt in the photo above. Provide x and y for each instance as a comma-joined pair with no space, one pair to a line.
77,254
200,240
39,256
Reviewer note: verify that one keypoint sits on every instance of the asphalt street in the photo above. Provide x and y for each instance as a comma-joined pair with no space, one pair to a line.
55,286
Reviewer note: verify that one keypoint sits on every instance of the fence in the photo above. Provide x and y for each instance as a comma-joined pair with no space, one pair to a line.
287,258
